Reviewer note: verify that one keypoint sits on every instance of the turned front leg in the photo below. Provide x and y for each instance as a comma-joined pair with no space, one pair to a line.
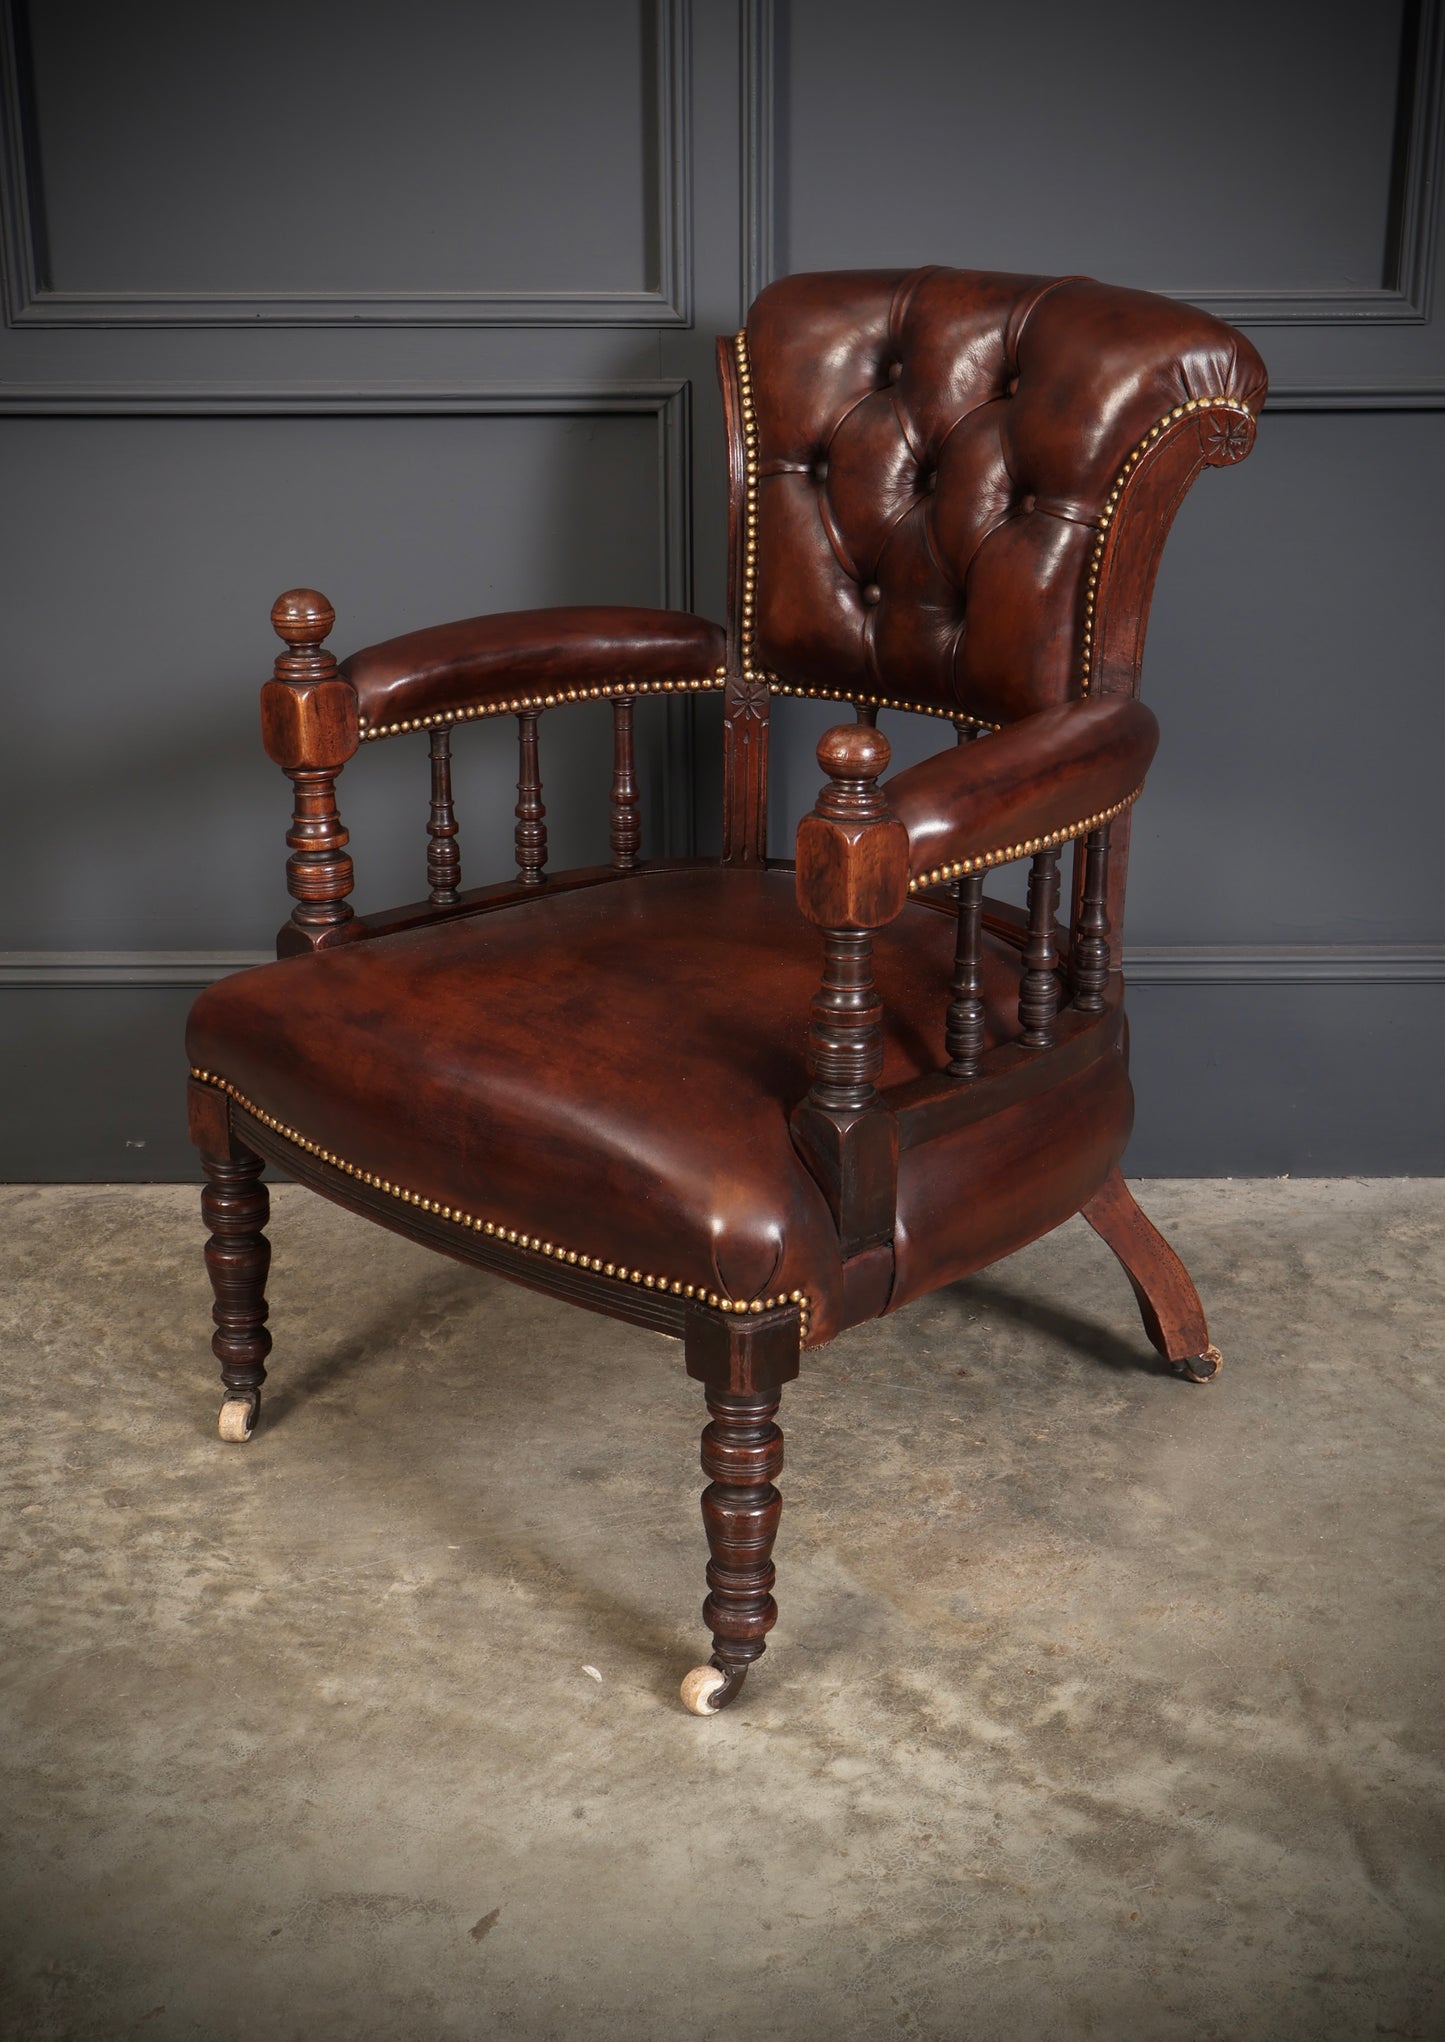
236,1205
742,1454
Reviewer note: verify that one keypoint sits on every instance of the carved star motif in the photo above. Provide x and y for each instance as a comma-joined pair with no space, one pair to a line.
748,700
1226,438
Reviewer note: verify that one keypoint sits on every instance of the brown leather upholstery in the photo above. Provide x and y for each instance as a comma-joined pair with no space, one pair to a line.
740,1105
1044,778
935,451
533,654
513,1065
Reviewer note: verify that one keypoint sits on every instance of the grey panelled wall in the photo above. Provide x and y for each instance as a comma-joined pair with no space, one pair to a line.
427,322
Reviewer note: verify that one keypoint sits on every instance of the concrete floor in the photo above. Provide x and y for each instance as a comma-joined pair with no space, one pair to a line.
1101,1706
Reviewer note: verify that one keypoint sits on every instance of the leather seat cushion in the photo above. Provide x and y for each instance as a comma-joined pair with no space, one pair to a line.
610,1069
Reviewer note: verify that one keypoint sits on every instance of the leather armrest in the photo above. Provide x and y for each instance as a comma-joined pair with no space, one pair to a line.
528,659
1034,784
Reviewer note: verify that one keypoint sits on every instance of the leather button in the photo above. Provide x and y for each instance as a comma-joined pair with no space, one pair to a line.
895,370
927,481
1027,503
820,469
872,594
1011,387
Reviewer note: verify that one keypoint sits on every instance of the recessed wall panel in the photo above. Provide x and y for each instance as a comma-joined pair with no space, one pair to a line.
206,155
138,562
1218,152
1294,662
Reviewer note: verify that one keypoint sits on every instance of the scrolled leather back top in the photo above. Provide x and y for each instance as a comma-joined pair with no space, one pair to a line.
932,460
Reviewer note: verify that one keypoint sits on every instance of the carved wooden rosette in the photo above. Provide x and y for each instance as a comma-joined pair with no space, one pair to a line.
747,706
742,1455
235,1205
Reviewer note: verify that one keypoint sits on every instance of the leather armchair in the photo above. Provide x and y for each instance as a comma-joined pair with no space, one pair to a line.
745,1102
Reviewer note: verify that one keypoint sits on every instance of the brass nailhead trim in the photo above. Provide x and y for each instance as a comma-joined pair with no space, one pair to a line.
515,705
1111,504
875,701
509,1235
1006,853
747,630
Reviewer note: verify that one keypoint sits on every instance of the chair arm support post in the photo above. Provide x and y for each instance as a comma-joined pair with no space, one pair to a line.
309,727
852,878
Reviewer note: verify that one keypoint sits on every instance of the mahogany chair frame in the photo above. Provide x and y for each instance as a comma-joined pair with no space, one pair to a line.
863,853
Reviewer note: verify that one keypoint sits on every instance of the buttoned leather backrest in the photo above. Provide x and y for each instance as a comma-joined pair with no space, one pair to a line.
933,462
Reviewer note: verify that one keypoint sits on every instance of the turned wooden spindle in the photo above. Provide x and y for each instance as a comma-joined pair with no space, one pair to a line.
235,1205
309,726
849,869
867,714
1089,966
625,819
845,1035
530,814
852,878
443,854
964,1029
1039,987
742,1455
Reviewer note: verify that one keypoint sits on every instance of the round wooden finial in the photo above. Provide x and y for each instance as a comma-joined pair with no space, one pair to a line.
853,752
302,616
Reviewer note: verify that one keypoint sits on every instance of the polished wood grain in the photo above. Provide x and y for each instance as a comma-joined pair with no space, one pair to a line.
531,831
443,854
742,1454
1089,958
309,726
1039,990
235,1205
851,879
1168,1302
625,824
964,1031
740,1106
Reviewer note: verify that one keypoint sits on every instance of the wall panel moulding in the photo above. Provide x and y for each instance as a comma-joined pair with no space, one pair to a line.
1403,296
43,227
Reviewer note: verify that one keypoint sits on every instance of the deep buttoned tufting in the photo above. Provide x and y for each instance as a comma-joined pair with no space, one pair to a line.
935,457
